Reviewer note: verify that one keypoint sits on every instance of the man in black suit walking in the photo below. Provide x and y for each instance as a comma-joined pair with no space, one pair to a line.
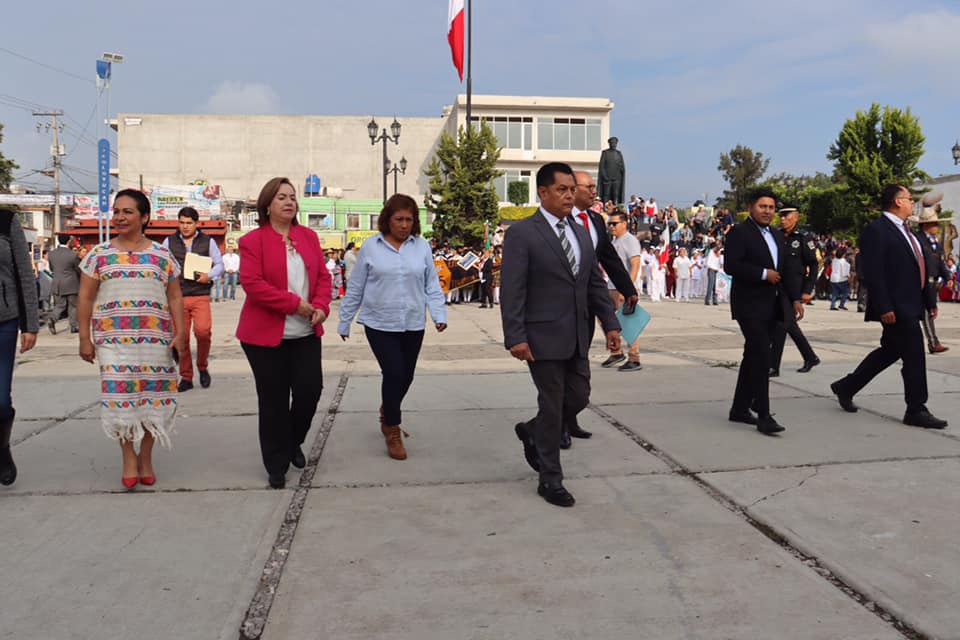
65,267
551,289
895,273
759,299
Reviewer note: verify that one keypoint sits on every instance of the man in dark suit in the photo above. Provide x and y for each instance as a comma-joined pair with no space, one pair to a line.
759,299
583,198
929,223
65,267
896,277
551,288
800,271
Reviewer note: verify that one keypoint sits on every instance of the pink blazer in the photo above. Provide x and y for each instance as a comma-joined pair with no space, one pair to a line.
263,275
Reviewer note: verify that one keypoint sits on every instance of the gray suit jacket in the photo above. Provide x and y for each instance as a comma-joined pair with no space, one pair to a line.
541,302
65,267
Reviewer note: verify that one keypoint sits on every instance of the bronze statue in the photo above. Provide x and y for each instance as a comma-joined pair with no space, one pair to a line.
611,175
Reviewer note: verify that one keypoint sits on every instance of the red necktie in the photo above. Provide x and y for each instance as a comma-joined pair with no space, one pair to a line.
583,218
918,255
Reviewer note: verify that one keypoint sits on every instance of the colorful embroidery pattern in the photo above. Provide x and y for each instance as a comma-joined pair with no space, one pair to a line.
132,329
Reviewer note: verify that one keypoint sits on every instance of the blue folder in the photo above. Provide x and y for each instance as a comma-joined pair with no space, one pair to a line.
632,326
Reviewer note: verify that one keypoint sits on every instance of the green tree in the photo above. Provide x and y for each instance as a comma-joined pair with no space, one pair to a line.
460,191
877,147
742,168
7,167
831,209
518,192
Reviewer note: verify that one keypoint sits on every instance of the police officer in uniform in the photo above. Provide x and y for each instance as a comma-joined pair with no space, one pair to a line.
800,268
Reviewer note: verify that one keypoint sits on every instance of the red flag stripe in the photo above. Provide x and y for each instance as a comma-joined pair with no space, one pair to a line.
455,34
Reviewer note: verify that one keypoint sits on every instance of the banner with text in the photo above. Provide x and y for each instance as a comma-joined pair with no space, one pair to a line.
167,200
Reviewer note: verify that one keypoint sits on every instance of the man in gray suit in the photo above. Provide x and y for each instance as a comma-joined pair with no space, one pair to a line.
551,288
65,267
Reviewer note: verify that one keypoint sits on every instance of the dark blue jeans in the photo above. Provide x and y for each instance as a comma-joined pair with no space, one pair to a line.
840,290
8,354
396,352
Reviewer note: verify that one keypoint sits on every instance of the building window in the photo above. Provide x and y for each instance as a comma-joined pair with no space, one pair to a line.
513,132
353,221
373,221
317,220
510,175
568,134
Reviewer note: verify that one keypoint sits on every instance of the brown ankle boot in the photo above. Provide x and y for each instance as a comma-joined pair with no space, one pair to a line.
394,441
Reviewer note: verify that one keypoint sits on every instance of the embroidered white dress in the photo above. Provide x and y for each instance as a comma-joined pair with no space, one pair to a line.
132,331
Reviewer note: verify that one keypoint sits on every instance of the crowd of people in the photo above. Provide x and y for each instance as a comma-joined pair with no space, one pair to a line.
134,302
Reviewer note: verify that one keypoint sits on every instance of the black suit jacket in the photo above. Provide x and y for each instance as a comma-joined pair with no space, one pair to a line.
609,260
746,255
65,267
936,269
541,302
892,274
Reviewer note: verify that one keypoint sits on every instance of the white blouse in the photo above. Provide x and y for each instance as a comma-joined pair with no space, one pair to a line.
296,326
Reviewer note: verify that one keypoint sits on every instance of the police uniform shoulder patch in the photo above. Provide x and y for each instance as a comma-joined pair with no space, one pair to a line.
810,245
795,244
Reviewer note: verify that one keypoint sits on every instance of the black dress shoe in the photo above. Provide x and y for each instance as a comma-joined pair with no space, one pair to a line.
529,448
278,481
745,417
185,385
923,419
204,379
52,325
809,364
578,432
556,495
768,426
565,441
612,360
844,398
298,459
773,373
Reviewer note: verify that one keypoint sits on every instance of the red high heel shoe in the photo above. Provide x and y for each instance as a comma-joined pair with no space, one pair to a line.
148,481
129,483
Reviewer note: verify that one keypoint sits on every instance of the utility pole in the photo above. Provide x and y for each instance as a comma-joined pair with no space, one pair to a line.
56,151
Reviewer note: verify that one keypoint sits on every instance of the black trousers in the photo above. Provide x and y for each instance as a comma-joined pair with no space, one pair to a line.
292,368
396,353
753,381
486,292
563,391
900,341
780,338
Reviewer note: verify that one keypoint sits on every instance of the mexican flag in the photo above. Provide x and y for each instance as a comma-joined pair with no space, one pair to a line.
455,34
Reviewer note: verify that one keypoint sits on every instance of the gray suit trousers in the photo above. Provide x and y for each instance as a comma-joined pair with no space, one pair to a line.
66,303
563,391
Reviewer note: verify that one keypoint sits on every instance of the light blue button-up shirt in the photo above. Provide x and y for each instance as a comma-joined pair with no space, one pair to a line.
771,246
393,288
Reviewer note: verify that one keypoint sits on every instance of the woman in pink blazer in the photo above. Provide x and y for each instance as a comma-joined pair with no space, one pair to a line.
287,287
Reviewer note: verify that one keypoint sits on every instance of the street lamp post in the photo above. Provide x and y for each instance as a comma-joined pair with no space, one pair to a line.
395,170
393,136
956,152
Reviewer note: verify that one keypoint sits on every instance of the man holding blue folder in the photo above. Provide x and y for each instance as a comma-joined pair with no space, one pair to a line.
629,250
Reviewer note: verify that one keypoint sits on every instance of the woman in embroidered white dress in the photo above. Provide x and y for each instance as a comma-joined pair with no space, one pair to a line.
128,294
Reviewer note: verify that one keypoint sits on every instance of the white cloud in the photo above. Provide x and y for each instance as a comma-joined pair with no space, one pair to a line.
922,45
242,98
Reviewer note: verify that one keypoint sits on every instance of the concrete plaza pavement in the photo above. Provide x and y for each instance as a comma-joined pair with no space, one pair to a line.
686,525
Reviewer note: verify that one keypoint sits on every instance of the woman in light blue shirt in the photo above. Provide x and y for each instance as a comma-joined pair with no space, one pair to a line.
392,284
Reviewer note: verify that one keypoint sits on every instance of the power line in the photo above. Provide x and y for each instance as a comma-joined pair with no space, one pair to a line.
71,179
46,66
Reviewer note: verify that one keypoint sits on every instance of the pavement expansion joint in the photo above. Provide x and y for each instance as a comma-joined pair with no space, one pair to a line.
905,629
816,472
255,619
53,422
480,483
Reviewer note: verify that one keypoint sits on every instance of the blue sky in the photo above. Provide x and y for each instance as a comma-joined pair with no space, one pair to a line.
689,79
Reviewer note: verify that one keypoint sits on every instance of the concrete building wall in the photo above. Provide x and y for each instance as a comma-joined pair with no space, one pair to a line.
241,153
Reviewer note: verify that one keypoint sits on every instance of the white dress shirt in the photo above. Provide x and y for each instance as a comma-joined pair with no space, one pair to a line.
552,220
575,216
